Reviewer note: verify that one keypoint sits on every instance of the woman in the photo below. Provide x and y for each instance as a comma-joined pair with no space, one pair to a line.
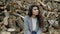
33,22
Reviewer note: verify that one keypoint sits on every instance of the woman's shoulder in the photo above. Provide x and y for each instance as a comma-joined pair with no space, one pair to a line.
26,17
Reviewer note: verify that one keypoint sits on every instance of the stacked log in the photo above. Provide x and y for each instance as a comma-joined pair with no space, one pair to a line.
12,14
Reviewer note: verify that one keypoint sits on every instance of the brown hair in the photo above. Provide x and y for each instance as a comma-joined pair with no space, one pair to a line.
40,18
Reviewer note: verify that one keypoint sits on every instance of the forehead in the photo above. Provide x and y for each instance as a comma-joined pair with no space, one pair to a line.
35,7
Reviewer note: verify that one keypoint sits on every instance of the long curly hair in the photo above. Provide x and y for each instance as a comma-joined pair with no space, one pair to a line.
40,19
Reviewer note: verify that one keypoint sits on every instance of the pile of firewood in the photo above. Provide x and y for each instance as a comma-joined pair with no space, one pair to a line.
12,14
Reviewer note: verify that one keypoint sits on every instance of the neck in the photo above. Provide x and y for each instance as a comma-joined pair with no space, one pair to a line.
33,16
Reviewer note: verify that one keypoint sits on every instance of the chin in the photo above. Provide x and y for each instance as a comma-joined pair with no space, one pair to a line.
36,14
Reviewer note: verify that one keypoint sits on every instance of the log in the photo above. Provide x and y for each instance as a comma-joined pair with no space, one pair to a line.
6,18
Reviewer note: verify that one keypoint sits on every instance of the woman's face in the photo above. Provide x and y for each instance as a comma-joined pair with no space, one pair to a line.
35,11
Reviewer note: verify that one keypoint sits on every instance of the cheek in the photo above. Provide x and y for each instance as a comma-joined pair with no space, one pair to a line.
35,12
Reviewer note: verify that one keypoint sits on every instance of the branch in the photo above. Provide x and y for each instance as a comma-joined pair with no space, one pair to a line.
19,15
41,2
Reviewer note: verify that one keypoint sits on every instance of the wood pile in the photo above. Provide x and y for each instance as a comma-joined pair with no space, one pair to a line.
12,14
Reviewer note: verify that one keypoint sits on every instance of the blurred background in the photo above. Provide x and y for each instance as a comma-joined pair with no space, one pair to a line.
12,14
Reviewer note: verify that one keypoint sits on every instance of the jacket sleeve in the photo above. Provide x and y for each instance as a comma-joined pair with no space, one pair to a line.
26,30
